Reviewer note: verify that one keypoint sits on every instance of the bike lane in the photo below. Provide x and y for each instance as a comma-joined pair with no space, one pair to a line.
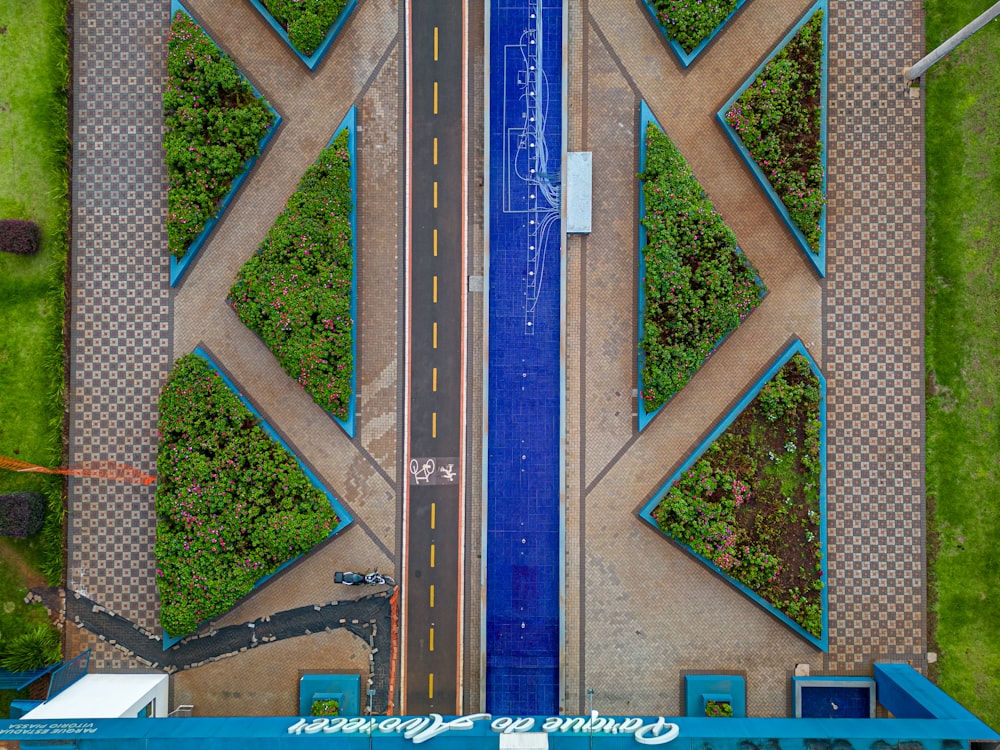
432,579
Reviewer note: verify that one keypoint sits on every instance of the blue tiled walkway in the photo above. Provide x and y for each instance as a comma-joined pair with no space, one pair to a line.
523,524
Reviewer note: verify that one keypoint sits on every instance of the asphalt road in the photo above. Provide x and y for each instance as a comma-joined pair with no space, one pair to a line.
433,582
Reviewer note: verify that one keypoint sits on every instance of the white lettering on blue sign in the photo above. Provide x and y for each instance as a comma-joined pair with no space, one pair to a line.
419,729
662,732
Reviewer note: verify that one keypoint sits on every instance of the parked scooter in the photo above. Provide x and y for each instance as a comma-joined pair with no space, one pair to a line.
368,579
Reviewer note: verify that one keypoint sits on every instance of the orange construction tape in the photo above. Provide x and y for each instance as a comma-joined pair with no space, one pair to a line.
97,469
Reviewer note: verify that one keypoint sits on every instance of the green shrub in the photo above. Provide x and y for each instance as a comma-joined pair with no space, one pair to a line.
295,293
325,708
690,22
779,119
214,124
717,709
750,504
306,21
232,504
19,237
34,648
698,286
22,513
34,185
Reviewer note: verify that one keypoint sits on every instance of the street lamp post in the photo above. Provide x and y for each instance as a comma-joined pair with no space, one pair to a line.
920,67
371,715
593,715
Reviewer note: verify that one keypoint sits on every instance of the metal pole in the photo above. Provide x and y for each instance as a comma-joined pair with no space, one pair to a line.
921,66
590,697
371,715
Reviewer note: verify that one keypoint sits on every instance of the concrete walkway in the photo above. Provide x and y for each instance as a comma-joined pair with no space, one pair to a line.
128,325
639,612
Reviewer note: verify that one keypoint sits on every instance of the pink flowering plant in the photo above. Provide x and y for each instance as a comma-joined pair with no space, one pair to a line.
232,504
718,709
779,119
691,22
295,293
698,286
214,123
751,503
306,21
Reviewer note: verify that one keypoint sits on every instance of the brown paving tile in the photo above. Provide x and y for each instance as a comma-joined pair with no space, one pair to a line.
127,324
627,640
119,335
633,636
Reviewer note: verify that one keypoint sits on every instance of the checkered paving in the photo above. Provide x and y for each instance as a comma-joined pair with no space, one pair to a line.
120,319
123,326
873,324
863,323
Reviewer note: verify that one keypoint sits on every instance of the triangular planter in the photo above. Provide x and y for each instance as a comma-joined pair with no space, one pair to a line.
646,513
178,267
646,118
342,514
313,60
349,123
817,259
686,58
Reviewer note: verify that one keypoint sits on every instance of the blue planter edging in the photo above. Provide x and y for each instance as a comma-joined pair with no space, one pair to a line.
345,517
314,59
686,58
647,511
818,260
179,267
349,122
645,118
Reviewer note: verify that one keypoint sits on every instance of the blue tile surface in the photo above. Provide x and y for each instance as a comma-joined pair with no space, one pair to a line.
840,702
523,525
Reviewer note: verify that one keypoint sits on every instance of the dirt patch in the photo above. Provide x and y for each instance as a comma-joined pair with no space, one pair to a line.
28,575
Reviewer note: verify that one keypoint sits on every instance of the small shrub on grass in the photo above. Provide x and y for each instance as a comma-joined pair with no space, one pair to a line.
778,118
232,504
37,647
698,286
750,504
22,513
295,293
306,21
690,22
19,237
214,124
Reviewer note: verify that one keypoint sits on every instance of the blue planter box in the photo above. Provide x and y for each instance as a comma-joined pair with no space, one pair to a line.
645,417
312,60
699,689
179,267
342,514
686,58
818,260
350,124
647,511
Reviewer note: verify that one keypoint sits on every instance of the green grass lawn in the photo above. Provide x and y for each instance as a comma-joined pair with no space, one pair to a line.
33,185
963,352
15,618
